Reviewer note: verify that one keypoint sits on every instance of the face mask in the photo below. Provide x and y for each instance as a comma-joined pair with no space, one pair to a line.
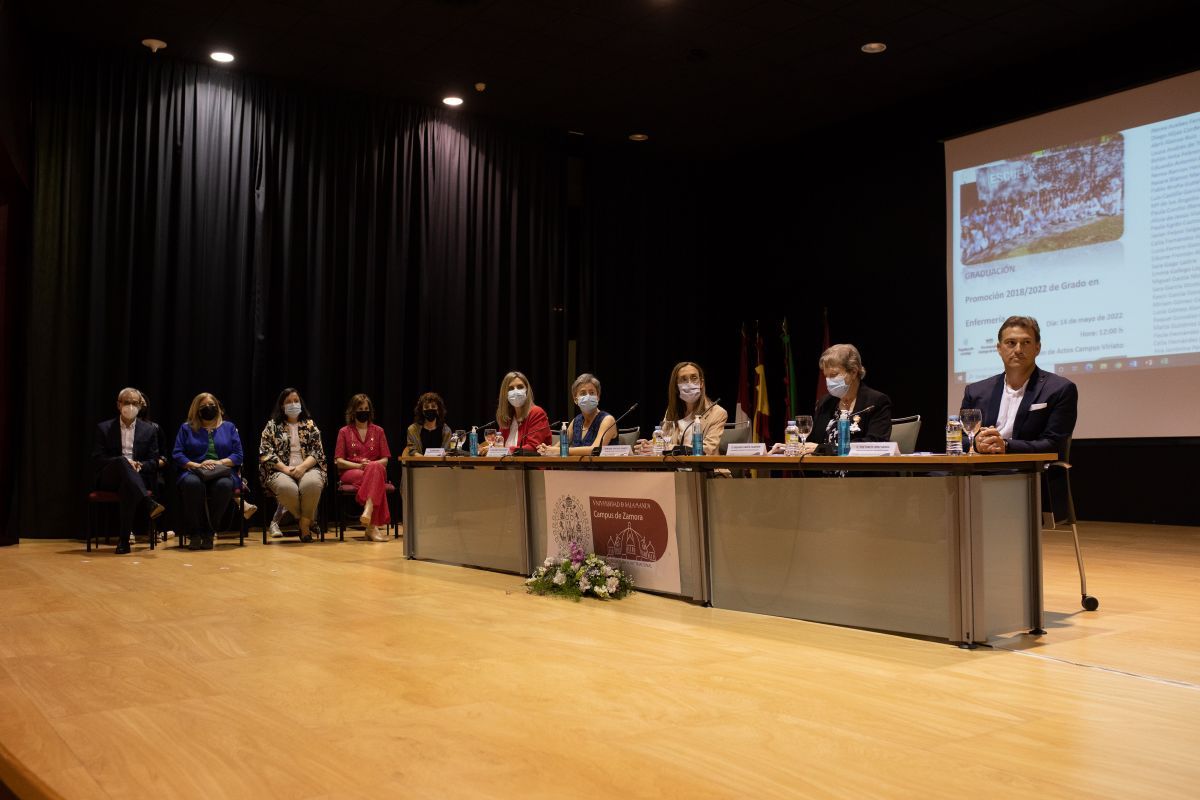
430,414
516,397
837,386
292,410
129,412
362,416
689,392
208,413
588,403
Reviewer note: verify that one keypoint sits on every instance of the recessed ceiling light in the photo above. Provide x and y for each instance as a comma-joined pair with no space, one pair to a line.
638,137
452,101
874,47
221,57
154,44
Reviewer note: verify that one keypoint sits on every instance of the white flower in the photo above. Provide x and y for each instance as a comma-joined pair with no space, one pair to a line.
559,579
608,570
548,562
612,584
600,591
584,584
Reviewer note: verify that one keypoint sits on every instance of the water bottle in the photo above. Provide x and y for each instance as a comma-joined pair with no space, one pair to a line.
658,442
844,434
954,435
697,438
791,439
564,443
473,441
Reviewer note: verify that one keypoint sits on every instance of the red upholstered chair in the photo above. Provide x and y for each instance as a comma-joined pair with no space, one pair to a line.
344,496
104,519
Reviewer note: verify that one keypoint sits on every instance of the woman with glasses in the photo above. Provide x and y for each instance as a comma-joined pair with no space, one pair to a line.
688,406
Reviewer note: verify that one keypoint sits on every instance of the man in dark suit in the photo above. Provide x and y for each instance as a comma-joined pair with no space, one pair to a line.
1025,409
125,457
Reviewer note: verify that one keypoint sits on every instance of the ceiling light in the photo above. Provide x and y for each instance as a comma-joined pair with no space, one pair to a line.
220,57
874,47
638,137
154,44
452,101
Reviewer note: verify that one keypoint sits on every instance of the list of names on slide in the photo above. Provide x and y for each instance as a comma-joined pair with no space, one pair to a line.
1175,234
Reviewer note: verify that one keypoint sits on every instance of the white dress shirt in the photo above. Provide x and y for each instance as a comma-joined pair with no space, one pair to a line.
127,439
1010,403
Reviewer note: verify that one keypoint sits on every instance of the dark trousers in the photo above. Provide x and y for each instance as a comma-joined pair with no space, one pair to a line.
119,476
203,503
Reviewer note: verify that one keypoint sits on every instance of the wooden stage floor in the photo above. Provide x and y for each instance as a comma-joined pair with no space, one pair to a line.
343,670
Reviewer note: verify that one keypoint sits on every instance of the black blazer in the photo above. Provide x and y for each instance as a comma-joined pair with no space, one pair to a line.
1044,429
874,426
108,446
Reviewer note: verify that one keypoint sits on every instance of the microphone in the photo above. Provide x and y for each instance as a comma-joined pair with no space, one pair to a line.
617,424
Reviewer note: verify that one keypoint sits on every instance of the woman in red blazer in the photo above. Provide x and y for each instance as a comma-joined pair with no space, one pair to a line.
523,425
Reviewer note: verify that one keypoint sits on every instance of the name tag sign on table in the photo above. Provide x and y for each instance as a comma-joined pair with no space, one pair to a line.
435,452
497,452
616,450
746,449
874,449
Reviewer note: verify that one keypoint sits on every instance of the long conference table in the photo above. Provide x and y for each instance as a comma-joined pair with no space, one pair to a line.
947,547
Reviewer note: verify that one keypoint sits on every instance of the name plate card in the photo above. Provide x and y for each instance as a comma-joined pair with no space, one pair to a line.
874,449
746,449
435,452
616,450
497,452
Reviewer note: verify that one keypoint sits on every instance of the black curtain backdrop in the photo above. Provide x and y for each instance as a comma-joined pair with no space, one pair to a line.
15,203
200,230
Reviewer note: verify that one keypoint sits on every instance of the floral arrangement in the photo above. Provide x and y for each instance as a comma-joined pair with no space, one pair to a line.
577,575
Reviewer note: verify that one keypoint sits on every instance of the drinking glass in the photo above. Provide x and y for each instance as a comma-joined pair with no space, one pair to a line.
804,426
460,437
971,418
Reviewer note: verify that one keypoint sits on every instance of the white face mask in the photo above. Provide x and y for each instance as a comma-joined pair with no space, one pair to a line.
837,386
587,403
516,397
689,392
292,410
129,412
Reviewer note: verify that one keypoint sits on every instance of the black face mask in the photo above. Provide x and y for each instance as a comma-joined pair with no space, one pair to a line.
208,413
362,416
430,414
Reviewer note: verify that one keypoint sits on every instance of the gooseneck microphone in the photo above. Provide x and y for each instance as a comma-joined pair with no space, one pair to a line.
617,424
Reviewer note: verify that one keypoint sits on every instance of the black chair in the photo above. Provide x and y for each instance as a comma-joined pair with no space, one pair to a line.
104,519
628,436
238,506
1058,504
267,494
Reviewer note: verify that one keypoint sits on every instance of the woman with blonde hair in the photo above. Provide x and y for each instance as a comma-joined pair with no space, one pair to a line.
523,425
208,452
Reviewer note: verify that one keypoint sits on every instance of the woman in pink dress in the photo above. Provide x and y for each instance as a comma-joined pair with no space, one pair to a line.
362,455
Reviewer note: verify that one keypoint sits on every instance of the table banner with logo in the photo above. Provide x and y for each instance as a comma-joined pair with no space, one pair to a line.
626,518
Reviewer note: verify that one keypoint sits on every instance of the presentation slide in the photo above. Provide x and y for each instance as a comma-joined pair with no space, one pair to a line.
1098,237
